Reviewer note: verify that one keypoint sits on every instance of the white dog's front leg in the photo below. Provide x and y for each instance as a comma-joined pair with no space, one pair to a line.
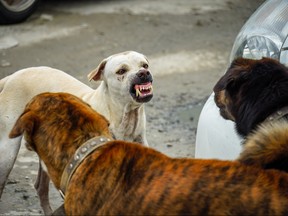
9,149
142,139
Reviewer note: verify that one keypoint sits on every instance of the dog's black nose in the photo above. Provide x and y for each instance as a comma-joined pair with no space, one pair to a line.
143,74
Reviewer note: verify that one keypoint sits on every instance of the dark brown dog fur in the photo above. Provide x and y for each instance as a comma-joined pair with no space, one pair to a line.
122,178
250,91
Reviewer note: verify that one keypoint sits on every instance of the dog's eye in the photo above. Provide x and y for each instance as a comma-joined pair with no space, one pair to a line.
121,71
145,66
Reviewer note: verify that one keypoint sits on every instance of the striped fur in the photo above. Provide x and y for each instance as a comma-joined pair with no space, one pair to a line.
122,178
267,146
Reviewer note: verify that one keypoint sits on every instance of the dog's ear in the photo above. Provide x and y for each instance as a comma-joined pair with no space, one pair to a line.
238,71
96,73
24,124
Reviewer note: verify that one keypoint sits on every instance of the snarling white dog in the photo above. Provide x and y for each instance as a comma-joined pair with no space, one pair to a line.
126,84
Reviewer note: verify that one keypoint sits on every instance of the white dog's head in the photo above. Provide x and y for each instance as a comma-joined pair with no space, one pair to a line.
126,73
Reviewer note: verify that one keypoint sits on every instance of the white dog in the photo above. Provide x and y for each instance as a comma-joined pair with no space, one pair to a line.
126,85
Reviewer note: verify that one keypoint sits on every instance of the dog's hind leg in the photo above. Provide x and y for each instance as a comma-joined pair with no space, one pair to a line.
9,149
42,187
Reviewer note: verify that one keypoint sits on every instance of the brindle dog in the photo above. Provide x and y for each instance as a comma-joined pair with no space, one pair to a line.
123,178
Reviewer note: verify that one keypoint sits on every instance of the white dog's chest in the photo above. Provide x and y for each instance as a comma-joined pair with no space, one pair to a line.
130,127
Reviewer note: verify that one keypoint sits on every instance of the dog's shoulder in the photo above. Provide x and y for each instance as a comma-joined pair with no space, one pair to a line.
267,146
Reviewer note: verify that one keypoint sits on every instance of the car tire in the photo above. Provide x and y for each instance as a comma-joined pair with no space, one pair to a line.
12,11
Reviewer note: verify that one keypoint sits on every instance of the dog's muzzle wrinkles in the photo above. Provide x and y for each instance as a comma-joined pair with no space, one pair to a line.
142,89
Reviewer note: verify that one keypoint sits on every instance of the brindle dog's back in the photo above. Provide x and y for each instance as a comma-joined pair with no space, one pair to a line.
128,179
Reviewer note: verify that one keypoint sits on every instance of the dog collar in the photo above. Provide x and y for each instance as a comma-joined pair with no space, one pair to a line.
277,115
81,153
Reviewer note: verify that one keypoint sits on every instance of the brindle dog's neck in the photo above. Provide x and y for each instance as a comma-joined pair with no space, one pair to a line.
58,155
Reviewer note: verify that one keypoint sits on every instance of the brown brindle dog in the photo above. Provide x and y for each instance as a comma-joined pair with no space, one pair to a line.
122,178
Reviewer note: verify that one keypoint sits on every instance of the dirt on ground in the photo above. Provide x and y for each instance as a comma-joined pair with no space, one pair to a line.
188,43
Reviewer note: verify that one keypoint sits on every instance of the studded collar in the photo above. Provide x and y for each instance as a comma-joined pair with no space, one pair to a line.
81,153
277,115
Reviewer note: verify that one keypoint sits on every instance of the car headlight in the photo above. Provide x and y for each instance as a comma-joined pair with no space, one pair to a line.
265,33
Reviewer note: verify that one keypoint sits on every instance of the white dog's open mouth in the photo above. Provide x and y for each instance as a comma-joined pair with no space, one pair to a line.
142,92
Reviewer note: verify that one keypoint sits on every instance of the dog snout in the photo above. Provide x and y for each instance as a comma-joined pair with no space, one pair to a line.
143,74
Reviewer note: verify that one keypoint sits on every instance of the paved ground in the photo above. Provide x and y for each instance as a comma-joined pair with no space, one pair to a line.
187,42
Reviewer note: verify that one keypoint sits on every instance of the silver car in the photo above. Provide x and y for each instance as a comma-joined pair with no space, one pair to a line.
264,35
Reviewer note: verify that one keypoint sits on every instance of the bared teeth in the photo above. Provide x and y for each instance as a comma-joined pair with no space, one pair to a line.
140,88
138,93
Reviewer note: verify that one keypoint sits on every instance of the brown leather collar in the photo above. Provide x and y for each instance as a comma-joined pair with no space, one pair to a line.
277,115
81,153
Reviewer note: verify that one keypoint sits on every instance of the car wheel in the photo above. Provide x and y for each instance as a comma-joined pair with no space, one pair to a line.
15,11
